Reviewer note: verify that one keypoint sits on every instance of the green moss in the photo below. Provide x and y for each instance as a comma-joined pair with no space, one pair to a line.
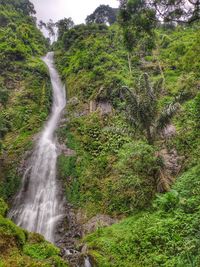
40,251
8,228
18,248
3,207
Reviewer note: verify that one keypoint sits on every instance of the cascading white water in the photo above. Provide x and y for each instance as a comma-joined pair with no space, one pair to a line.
38,206
87,262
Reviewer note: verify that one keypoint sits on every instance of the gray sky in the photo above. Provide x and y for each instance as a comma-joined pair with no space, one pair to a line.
76,9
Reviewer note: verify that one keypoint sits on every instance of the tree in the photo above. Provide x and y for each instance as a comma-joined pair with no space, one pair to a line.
80,32
50,27
42,24
142,108
179,11
102,15
138,22
23,5
63,26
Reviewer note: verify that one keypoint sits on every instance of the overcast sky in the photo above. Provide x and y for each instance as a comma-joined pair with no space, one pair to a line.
76,9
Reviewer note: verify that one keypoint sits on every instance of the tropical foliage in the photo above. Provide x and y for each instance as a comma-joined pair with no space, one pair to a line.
131,128
25,100
118,167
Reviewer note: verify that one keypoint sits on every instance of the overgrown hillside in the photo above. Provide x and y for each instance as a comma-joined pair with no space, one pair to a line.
25,99
129,138
24,88
166,235
117,169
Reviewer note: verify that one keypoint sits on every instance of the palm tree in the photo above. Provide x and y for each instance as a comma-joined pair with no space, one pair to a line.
142,108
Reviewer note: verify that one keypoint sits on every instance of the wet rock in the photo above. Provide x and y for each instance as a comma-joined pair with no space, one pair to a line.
103,106
172,164
73,101
63,149
171,160
67,235
98,221
64,122
84,249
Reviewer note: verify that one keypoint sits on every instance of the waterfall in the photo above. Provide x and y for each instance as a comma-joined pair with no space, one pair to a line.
87,262
39,205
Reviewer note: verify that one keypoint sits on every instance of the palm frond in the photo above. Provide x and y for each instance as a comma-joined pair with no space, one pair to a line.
166,115
132,101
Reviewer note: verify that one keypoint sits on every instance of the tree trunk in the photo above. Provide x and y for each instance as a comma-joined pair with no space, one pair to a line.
156,55
149,136
129,63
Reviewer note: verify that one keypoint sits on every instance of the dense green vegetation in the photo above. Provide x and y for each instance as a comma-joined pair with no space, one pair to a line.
25,99
105,142
25,90
168,235
94,58
117,168
20,118
128,85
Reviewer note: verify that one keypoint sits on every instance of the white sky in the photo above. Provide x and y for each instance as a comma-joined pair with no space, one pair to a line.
78,10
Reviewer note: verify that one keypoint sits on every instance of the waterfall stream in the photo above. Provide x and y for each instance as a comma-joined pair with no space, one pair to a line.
39,204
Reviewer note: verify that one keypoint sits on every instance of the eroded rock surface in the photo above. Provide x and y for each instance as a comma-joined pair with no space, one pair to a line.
171,160
99,220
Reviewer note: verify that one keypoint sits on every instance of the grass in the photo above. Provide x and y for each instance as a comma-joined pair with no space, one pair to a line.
166,236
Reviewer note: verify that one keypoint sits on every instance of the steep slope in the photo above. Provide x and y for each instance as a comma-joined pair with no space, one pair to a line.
96,67
165,236
25,90
112,169
25,99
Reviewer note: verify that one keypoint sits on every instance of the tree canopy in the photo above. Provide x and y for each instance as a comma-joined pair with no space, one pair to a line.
177,10
21,5
63,26
102,15
138,21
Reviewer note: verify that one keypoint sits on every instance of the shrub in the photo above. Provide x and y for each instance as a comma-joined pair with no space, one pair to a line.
8,228
3,207
40,251
166,236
